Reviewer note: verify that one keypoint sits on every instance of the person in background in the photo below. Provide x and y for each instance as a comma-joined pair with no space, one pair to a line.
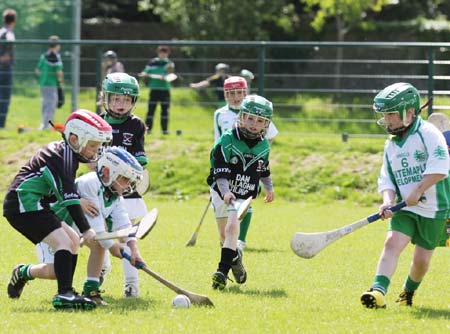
110,64
216,80
6,62
249,77
49,71
415,165
156,72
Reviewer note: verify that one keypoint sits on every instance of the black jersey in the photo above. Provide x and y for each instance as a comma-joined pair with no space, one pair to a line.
49,176
129,134
241,161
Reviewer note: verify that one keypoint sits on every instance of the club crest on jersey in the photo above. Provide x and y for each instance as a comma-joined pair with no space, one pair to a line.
234,160
260,168
127,139
420,156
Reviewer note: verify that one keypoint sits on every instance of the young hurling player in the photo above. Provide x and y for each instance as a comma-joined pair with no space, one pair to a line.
117,173
235,90
120,93
239,161
415,164
48,177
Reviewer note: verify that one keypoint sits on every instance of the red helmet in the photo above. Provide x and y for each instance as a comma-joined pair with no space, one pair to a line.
87,126
234,83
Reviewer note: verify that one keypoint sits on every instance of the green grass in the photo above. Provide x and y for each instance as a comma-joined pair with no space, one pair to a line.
320,182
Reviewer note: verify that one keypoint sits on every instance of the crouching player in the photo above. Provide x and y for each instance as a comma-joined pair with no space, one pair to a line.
239,161
117,173
47,177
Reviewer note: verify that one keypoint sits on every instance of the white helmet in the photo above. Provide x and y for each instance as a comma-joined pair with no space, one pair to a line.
119,163
87,126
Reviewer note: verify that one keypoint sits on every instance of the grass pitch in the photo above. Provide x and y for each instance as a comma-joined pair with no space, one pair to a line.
283,294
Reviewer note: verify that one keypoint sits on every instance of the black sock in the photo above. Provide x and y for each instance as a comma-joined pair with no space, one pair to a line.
63,270
74,263
226,259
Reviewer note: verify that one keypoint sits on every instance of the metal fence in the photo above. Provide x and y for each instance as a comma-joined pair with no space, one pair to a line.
315,86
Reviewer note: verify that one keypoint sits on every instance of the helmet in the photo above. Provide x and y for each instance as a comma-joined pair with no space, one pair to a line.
247,75
119,163
222,67
397,98
121,84
257,106
234,83
110,54
235,89
87,126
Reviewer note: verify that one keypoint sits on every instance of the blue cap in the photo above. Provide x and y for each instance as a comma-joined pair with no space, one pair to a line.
447,137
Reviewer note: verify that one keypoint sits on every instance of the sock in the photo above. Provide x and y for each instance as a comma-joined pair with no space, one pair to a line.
74,263
24,272
410,285
226,259
63,270
381,283
245,224
90,285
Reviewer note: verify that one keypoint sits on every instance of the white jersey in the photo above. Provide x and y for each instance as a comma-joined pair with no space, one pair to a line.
406,161
112,213
225,118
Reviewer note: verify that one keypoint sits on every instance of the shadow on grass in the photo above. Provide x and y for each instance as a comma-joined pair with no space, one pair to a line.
118,305
260,250
430,313
274,293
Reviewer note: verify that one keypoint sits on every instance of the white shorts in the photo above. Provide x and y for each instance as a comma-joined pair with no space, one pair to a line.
219,206
135,207
45,253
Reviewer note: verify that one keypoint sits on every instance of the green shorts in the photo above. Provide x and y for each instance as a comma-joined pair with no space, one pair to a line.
424,232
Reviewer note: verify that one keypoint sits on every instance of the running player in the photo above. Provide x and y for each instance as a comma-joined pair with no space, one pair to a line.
235,89
48,177
415,164
239,161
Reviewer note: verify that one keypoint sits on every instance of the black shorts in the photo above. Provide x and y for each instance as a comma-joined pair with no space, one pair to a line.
35,225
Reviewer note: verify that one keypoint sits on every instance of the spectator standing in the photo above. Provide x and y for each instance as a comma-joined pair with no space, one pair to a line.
49,71
6,62
156,71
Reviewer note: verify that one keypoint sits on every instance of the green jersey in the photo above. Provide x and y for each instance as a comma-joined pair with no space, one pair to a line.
159,66
49,64
242,161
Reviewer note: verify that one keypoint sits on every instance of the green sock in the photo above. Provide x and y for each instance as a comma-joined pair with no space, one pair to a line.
24,272
90,286
410,285
381,283
245,224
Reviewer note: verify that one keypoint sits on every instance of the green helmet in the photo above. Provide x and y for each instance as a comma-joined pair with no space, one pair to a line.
257,106
397,98
120,84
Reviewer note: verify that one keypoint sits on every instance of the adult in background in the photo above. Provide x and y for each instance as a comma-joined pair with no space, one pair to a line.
156,72
49,71
249,77
110,64
415,164
216,80
6,62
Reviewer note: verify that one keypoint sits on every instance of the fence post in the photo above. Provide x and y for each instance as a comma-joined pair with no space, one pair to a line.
76,34
431,54
98,77
261,61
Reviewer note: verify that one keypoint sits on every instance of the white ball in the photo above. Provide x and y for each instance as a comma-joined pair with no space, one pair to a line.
181,301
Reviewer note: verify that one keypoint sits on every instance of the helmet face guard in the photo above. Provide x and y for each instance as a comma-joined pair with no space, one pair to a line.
260,111
117,163
397,98
87,126
235,89
119,84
